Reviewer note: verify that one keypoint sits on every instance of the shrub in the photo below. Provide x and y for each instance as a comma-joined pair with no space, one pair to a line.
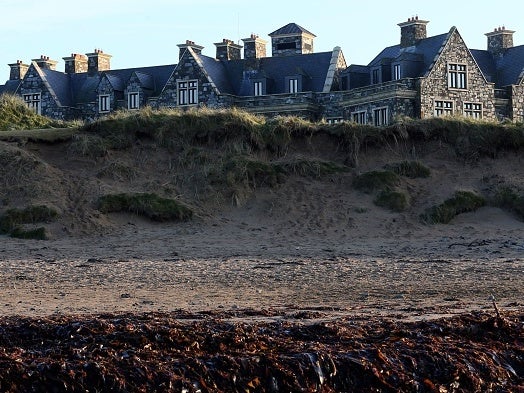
251,172
508,198
461,202
396,201
411,169
370,182
13,218
36,234
148,205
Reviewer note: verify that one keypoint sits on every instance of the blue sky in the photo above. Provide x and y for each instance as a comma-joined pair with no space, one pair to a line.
146,32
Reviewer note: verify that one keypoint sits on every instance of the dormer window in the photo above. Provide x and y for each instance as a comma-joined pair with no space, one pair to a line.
104,103
396,72
187,92
132,101
457,76
375,76
293,84
258,88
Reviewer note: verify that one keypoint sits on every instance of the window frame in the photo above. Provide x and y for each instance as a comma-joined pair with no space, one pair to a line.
443,109
397,72
104,103
375,76
258,88
473,110
457,74
133,100
187,92
292,85
33,101
359,117
381,116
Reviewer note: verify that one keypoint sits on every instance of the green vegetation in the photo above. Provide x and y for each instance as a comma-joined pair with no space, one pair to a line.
411,169
396,201
373,181
148,205
12,220
461,202
507,197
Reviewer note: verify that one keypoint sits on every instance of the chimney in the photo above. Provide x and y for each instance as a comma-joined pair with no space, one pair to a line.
45,62
499,40
412,31
254,47
228,50
189,44
18,70
75,64
98,61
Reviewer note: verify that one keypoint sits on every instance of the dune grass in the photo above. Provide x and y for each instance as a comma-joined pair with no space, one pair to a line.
12,221
393,200
373,181
411,169
460,202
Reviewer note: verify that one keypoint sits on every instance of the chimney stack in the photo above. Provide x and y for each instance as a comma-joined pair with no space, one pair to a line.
45,62
75,64
98,61
412,31
499,40
254,47
228,50
189,44
18,70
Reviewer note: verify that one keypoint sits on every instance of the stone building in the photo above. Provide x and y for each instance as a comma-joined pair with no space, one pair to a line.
419,77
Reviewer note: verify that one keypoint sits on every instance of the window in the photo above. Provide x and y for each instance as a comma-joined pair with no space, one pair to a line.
188,92
33,102
443,108
286,45
457,76
257,88
380,116
104,103
473,109
292,85
375,76
334,120
132,101
396,72
359,117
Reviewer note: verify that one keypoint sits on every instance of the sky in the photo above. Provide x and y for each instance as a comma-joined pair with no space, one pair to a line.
146,32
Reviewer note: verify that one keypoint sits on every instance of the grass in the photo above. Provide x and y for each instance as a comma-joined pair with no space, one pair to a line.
509,198
396,201
147,205
12,220
411,169
460,202
373,181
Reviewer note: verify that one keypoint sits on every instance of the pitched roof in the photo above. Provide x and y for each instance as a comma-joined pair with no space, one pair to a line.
313,66
291,28
59,82
10,87
510,67
218,74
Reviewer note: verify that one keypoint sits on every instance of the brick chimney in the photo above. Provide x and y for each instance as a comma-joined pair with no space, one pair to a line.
499,40
98,61
18,70
228,50
75,64
412,31
254,47
196,48
46,62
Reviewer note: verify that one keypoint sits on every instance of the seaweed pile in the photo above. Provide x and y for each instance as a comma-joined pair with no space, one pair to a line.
213,352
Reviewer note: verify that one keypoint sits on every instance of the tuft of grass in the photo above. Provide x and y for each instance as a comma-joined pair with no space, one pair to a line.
373,181
396,201
88,145
118,171
251,173
507,197
35,234
315,168
148,205
460,202
411,169
13,218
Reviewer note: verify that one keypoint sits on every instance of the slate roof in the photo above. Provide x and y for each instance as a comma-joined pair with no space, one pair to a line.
218,74
291,28
10,87
313,66
59,82
510,66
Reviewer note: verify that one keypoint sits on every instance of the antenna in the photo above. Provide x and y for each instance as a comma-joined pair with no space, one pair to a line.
238,28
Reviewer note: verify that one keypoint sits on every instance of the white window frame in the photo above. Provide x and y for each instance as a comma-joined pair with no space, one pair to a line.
133,100
381,116
443,108
359,117
34,102
104,103
457,76
187,92
292,85
397,72
473,110
258,88
334,120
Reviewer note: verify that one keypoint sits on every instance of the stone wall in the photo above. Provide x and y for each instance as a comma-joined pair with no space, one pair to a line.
517,102
435,85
